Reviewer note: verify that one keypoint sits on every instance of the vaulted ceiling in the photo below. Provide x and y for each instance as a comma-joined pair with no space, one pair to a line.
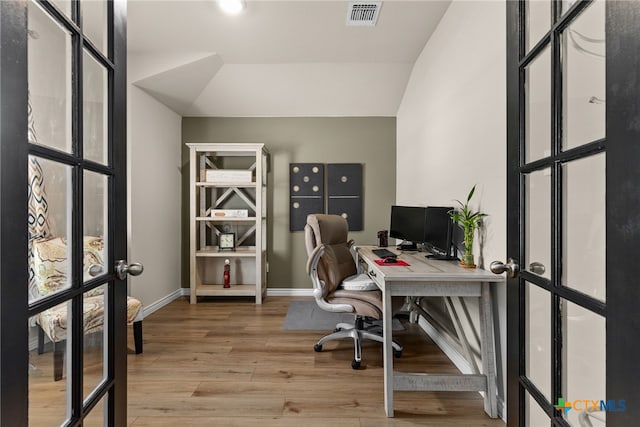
278,58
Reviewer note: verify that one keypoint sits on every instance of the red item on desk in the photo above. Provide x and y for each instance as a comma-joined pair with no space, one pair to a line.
390,264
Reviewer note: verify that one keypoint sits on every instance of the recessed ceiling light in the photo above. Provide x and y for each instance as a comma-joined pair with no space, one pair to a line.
231,7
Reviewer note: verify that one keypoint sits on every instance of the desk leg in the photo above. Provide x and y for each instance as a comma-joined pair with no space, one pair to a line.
488,351
387,328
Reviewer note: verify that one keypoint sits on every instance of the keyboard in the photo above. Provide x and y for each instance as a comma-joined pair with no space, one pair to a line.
384,253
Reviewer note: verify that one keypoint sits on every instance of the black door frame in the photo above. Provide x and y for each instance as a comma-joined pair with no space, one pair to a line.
14,152
622,209
14,359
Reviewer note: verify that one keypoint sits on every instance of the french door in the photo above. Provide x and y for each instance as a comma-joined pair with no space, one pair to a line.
63,331
573,88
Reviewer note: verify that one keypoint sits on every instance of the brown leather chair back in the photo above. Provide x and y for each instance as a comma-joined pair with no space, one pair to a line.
336,264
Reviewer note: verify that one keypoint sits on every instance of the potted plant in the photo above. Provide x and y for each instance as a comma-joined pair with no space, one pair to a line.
470,221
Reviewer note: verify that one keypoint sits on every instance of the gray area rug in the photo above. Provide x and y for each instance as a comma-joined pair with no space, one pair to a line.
306,315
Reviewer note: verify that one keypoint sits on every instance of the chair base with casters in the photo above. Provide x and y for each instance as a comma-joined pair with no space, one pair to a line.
358,332
339,286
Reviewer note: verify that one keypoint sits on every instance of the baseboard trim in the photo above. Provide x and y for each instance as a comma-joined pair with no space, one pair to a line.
155,306
185,292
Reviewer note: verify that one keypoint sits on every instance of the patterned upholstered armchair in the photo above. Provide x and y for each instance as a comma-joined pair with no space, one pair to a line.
49,267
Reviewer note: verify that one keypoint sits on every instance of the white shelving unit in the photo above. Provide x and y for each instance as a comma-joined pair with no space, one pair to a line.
249,259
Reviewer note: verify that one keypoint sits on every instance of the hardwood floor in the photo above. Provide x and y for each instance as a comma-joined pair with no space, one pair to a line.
228,362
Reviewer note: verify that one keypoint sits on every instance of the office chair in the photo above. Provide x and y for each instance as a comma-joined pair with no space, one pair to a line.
337,286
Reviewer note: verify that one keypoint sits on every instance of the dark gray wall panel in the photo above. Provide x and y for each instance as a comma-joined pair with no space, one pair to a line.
344,186
306,193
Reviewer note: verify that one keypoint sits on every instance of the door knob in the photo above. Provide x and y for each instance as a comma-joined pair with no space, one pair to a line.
537,268
511,267
122,269
95,270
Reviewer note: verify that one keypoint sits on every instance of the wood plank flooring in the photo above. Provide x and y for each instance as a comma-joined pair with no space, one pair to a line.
228,362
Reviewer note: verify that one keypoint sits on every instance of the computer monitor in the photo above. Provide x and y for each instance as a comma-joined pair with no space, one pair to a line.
439,233
407,223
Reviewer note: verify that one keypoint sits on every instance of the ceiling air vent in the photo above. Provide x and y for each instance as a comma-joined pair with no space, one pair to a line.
363,13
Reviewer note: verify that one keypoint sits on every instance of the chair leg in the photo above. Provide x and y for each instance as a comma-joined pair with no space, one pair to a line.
58,359
137,336
357,344
40,340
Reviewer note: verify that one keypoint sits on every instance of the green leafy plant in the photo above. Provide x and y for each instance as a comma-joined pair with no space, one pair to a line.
470,222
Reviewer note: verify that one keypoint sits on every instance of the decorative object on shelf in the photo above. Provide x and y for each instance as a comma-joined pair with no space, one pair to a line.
227,241
470,222
229,213
228,176
227,274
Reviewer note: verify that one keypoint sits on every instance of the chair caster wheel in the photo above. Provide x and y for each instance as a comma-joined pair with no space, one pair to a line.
317,347
397,353
355,364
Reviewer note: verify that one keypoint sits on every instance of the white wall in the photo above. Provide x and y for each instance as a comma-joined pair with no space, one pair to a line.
154,135
452,129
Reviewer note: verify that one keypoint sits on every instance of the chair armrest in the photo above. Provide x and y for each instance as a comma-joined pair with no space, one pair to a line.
318,285
354,253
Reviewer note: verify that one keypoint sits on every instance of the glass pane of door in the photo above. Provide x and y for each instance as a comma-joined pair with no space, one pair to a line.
49,227
538,14
584,354
96,217
538,107
538,337
584,220
64,6
49,386
94,343
583,44
94,22
95,250
98,416
538,223
534,415
95,111
49,47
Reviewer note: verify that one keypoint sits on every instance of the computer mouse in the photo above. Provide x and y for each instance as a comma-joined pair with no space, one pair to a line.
390,260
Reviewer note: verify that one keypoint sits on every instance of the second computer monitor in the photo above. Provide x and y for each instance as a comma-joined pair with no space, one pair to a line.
438,232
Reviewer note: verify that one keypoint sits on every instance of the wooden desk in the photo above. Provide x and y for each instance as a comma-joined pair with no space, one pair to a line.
424,277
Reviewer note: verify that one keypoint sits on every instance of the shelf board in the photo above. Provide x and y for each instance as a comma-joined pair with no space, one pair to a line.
226,184
212,251
225,219
218,290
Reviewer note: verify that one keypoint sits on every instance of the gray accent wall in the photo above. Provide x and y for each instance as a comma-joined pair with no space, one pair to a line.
367,140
